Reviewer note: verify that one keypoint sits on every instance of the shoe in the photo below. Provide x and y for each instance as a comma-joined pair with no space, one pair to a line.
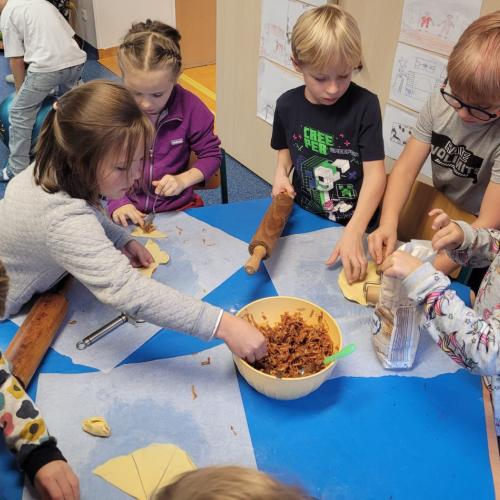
6,174
10,79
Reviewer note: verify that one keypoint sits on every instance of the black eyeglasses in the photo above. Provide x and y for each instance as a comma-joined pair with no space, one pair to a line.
478,113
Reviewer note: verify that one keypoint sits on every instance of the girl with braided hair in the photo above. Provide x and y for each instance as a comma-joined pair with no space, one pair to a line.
151,63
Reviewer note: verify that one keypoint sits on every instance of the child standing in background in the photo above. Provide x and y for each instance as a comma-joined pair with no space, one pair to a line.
26,434
151,63
330,133
92,145
34,32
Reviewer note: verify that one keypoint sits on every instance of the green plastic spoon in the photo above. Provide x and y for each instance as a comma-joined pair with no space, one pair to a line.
341,354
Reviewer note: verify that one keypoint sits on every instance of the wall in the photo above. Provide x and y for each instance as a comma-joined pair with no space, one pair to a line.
247,137
85,29
114,17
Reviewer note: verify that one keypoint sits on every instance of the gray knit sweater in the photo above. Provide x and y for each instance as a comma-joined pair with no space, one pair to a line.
44,235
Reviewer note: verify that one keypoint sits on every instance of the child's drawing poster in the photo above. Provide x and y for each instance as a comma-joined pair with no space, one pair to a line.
278,18
415,75
437,26
272,82
398,128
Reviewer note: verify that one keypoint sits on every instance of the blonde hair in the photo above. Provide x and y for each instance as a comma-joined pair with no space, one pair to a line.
229,483
4,288
474,64
326,35
95,122
150,46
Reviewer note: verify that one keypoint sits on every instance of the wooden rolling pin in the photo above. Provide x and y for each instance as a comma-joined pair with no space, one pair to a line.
29,345
269,231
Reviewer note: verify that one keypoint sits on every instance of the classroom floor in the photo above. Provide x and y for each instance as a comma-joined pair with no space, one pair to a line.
243,185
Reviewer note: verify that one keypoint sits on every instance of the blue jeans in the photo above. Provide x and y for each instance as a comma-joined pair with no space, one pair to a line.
25,107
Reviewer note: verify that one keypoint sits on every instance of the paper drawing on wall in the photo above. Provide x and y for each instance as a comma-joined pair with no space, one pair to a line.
400,133
272,81
397,130
278,18
437,26
416,74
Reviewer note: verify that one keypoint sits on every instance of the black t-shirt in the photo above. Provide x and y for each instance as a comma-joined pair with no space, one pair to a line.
328,145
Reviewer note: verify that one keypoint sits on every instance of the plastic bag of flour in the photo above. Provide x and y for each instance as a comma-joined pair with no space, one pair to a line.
394,323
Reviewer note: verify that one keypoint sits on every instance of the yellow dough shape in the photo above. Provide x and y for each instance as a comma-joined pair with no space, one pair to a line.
145,471
139,233
354,291
96,426
159,256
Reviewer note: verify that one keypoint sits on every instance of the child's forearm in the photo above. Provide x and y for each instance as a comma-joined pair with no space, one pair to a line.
401,180
24,429
371,193
471,341
191,177
285,163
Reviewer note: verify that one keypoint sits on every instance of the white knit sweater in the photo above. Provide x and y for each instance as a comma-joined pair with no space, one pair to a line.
43,236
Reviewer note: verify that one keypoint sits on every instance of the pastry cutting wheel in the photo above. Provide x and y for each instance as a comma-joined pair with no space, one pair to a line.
148,220
104,330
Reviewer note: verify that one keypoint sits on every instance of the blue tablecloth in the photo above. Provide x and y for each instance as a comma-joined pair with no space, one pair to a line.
355,438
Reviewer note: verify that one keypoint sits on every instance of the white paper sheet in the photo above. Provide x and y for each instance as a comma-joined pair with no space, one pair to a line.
297,269
201,258
415,75
278,18
271,83
398,128
437,26
148,403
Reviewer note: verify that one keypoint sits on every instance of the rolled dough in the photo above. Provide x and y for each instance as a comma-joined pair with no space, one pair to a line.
354,291
97,426
159,256
139,233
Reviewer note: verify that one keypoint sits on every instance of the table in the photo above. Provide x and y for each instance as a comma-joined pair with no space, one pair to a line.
387,437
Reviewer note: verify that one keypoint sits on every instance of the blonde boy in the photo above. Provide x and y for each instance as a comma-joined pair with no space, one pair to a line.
330,133
458,126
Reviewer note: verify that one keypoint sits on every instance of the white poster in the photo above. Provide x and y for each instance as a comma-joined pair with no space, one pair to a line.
437,26
398,128
278,18
415,75
272,82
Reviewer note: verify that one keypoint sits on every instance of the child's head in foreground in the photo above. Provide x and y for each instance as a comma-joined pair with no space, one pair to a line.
229,483
474,69
326,48
151,63
92,143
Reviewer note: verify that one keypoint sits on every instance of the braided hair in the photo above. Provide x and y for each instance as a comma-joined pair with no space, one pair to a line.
151,45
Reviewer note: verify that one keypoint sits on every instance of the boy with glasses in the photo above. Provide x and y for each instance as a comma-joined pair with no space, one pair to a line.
458,126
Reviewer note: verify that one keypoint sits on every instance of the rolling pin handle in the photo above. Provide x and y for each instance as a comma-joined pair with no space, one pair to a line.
253,263
94,337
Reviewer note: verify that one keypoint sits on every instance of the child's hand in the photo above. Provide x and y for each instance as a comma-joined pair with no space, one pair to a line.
282,184
128,211
137,254
57,481
169,185
352,253
242,338
450,235
384,236
400,265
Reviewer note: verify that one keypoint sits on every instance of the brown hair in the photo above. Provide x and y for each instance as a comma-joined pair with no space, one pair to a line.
93,123
4,288
474,64
324,35
229,483
151,46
